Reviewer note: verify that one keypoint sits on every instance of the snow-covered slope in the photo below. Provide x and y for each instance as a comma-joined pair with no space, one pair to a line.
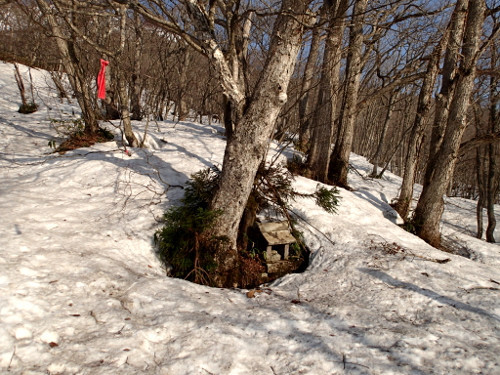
81,291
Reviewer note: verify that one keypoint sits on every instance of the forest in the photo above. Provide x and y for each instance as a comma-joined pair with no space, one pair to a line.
249,187
411,85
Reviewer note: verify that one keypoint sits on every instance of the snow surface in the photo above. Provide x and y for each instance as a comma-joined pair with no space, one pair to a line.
81,291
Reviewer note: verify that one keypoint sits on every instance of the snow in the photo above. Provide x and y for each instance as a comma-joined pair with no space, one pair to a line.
82,292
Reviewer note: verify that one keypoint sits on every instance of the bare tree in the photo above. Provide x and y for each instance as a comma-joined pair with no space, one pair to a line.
72,66
339,159
385,127
115,17
306,99
403,202
464,53
324,118
487,157
253,112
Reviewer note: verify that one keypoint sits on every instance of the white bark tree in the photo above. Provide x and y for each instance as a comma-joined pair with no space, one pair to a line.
253,112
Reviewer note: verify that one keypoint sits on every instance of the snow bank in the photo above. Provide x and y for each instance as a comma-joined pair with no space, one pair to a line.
81,291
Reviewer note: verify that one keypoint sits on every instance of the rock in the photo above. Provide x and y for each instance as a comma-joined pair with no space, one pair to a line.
273,256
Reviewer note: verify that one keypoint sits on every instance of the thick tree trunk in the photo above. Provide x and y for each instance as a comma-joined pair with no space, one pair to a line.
248,145
325,114
431,203
339,160
405,197
449,72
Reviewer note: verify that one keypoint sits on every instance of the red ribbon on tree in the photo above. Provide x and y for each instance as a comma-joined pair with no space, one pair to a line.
101,80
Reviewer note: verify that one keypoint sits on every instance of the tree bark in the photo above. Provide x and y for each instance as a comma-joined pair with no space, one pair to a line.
388,116
75,75
493,183
325,114
135,96
20,84
405,197
306,94
339,160
449,73
125,112
431,203
248,145
481,184
123,94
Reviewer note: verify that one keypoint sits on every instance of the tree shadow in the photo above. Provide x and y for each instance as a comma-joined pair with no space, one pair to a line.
298,329
27,131
428,293
381,204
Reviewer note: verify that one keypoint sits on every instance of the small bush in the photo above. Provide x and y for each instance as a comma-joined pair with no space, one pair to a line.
184,244
28,108
412,225
68,127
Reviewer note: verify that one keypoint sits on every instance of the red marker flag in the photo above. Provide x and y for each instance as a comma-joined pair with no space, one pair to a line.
101,80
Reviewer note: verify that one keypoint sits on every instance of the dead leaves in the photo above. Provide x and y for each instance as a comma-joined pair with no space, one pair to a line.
251,293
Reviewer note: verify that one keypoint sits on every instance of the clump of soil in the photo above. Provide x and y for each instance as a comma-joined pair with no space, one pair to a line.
28,108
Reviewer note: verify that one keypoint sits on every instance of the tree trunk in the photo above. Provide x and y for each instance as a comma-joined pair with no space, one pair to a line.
449,73
306,94
325,114
125,112
339,160
247,147
20,84
492,193
405,197
135,96
75,75
181,105
387,120
493,183
481,184
57,79
431,203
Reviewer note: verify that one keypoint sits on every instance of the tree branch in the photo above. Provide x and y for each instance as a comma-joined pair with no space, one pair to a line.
479,141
